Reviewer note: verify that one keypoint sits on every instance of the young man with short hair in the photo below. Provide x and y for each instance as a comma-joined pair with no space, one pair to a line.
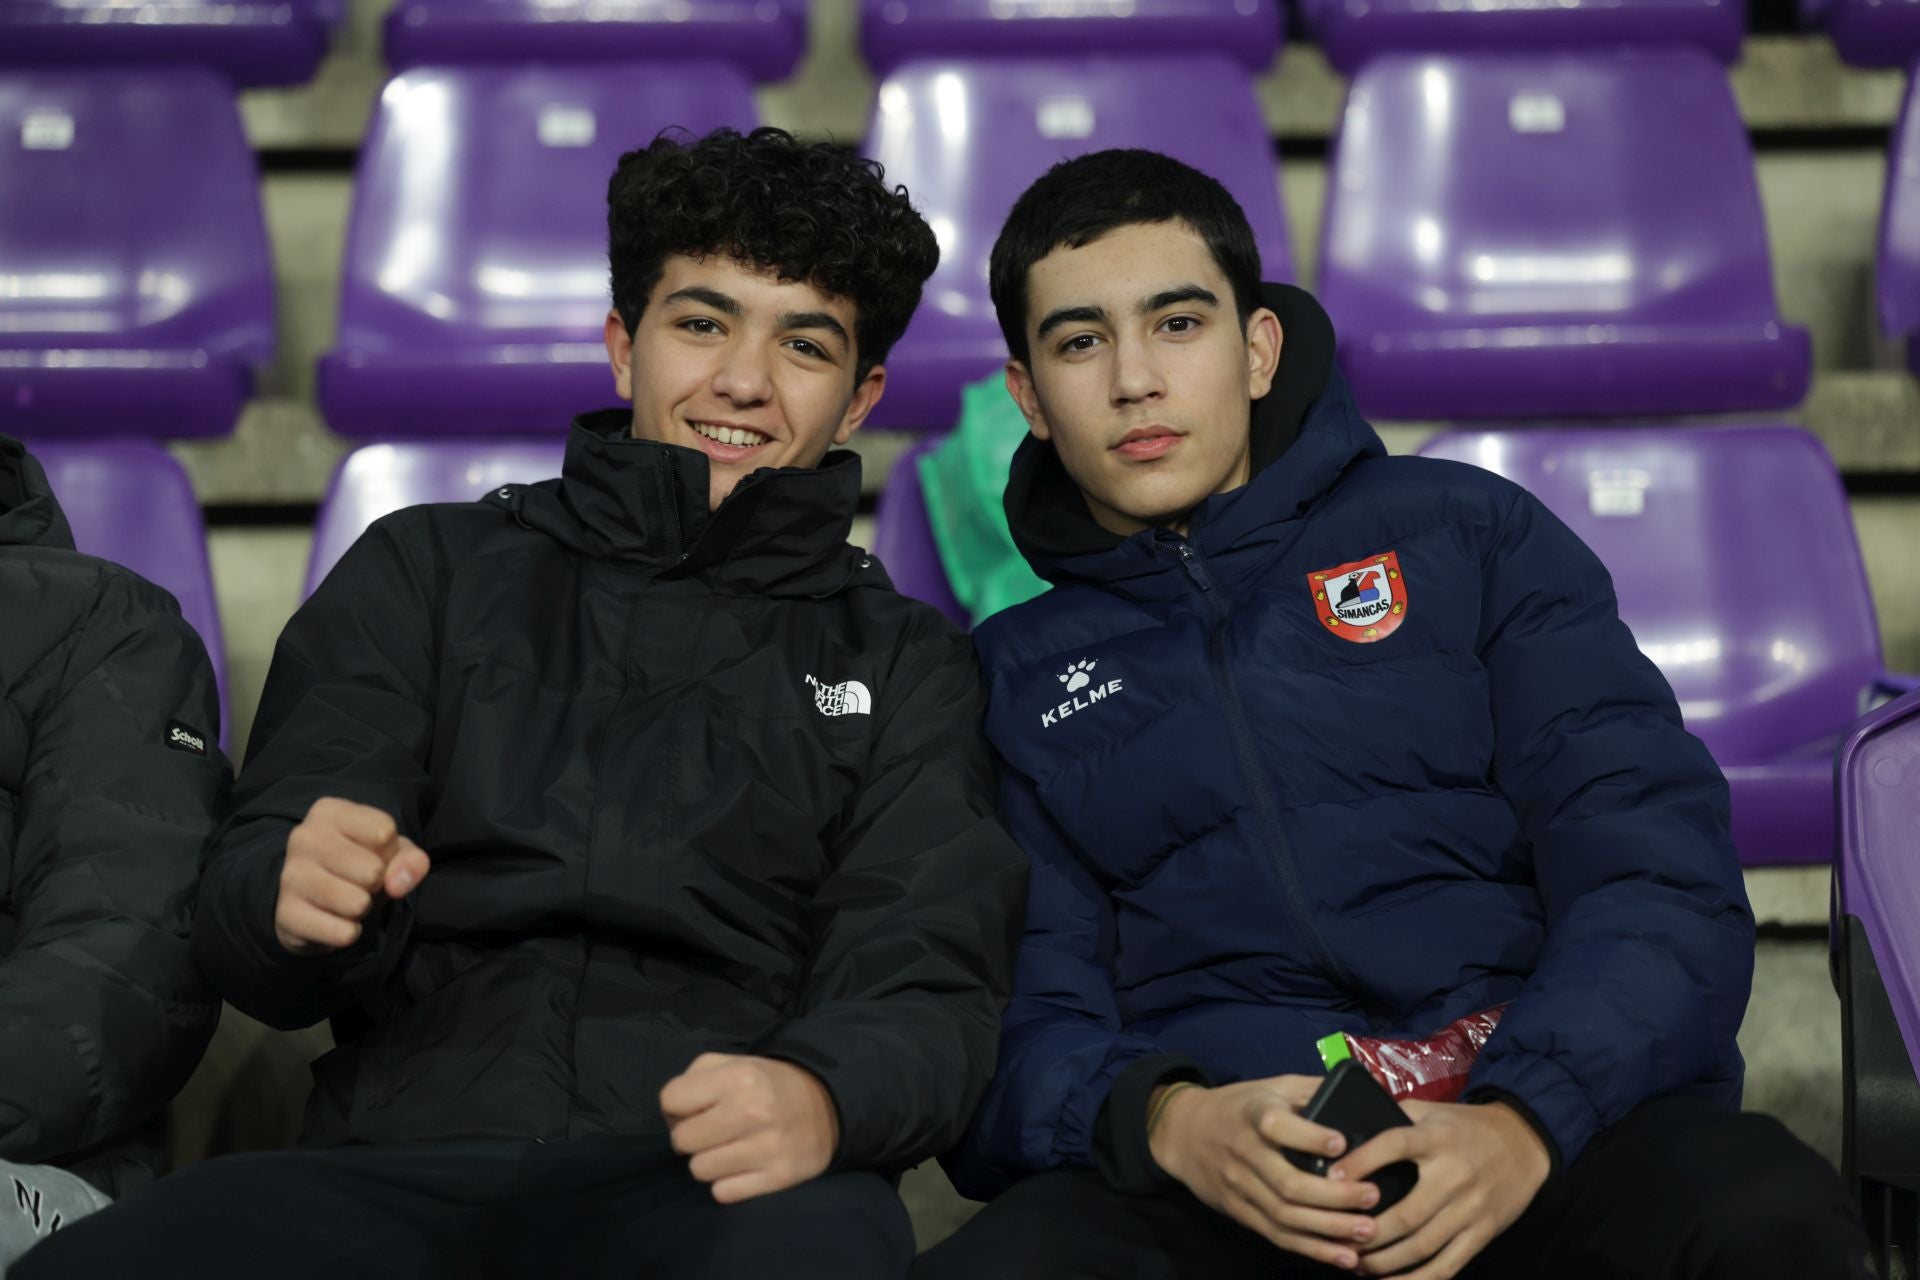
636,835
1306,740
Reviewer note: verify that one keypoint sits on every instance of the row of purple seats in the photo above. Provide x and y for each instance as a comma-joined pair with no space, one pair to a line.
1876,967
128,501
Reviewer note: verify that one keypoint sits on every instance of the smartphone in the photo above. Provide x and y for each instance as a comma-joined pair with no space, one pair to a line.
1352,1103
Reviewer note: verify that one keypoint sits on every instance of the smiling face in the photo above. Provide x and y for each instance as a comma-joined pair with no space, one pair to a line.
1140,374
751,370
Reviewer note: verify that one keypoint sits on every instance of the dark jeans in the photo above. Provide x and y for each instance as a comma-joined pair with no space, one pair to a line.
1679,1190
594,1209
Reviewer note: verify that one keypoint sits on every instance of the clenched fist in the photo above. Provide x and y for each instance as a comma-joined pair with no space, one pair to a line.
340,860
751,1125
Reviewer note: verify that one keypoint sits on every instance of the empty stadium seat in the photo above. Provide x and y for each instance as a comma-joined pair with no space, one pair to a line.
1351,32
1899,254
967,137
903,539
1733,554
128,501
252,42
1869,33
1876,964
1580,236
136,290
475,282
377,479
765,38
895,31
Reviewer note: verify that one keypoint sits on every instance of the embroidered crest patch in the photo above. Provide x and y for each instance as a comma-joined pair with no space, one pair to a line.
1363,601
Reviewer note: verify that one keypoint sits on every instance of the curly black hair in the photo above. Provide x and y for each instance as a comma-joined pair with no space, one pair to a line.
808,211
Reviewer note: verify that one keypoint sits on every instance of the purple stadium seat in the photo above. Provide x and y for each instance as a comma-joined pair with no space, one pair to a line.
1899,265
1733,553
1876,965
377,479
252,42
1869,33
1352,32
966,138
475,286
128,501
895,31
1514,236
903,539
136,291
764,37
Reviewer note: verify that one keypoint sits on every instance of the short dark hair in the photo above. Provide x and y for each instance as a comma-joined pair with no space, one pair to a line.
807,211
1079,200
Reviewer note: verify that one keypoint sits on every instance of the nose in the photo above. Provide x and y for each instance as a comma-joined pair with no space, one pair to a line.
1136,375
744,378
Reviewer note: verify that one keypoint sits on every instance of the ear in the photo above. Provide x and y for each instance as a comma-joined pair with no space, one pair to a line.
1020,387
620,354
1264,340
865,397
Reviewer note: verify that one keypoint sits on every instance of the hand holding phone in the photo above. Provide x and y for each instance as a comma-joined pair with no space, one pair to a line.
1353,1103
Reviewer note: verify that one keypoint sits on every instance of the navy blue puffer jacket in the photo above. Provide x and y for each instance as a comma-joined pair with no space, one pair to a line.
1263,804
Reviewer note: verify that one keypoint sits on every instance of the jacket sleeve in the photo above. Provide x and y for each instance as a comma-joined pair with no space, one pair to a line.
915,927
1064,1048
1648,957
102,1013
347,712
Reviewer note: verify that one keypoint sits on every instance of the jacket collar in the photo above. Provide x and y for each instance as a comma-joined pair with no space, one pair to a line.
30,516
1306,434
782,531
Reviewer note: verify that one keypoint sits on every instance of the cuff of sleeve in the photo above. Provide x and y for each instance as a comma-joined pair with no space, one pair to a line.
1553,1101
860,1144
1480,1097
47,1091
1120,1149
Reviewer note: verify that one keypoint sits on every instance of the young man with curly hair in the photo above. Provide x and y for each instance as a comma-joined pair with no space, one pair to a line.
1308,740
637,837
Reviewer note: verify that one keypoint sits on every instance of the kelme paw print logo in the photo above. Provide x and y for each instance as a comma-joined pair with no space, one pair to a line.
1076,677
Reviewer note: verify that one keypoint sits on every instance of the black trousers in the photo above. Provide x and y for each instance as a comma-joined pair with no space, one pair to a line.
1680,1190
594,1209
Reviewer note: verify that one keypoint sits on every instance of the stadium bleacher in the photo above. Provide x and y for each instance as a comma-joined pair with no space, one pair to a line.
1566,230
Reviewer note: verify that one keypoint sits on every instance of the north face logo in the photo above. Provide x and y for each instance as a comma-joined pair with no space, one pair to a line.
849,699
1077,677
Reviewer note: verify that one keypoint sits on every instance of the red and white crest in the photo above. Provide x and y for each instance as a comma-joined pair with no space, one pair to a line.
1363,601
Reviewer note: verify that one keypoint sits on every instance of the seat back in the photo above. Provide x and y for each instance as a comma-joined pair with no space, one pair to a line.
378,479
966,138
1733,555
250,42
136,289
903,537
128,501
897,31
475,289
1352,35
763,38
1552,236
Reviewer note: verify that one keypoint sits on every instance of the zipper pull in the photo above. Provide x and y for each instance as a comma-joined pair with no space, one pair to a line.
1190,561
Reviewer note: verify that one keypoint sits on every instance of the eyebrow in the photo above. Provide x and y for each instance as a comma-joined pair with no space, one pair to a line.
710,297
1098,315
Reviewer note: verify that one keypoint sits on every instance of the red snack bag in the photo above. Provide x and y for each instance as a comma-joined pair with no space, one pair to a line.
1430,1070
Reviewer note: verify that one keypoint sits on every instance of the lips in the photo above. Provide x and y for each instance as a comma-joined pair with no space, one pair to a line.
1146,443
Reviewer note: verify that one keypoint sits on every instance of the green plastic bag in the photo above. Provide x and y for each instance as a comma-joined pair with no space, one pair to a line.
963,480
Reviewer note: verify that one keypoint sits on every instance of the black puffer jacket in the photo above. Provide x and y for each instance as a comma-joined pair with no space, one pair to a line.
690,782
110,782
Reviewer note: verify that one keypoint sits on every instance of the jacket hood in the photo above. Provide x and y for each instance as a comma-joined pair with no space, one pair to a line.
30,516
782,531
1305,430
